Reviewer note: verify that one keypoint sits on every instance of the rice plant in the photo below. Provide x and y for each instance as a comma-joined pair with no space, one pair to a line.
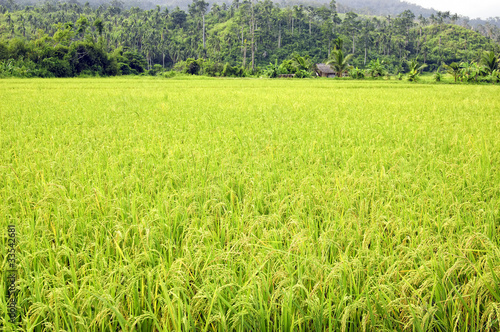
251,205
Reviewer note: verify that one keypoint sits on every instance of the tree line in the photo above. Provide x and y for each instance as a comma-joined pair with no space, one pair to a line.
236,39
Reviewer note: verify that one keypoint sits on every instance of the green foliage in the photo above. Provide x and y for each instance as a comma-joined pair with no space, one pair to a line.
4,52
376,68
223,34
357,73
18,48
87,57
493,77
272,70
193,66
135,60
301,73
470,71
157,69
287,67
438,76
453,69
415,68
230,71
212,68
339,62
125,69
298,66
58,67
490,61
301,63
169,74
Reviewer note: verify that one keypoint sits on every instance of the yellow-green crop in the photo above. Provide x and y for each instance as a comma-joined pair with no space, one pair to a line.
251,205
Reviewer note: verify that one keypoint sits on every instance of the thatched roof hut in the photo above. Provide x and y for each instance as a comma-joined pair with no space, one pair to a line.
323,70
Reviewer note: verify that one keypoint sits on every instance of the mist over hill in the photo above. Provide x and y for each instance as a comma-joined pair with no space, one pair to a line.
374,7
367,7
362,7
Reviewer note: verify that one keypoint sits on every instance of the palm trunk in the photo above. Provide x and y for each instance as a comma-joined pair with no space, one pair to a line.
279,34
204,43
244,55
253,38
425,51
253,49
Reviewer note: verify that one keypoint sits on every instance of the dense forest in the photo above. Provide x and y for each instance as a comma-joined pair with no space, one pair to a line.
68,39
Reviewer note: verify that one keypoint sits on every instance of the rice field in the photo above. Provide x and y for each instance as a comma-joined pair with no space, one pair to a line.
147,204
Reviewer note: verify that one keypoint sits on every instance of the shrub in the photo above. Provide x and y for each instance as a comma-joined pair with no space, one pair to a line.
136,61
357,73
193,66
125,69
438,76
271,70
169,74
286,67
58,67
302,74
212,68
157,68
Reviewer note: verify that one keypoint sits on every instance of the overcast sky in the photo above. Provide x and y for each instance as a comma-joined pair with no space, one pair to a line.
473,9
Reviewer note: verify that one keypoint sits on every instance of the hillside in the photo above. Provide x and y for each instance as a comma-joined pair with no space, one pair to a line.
110,39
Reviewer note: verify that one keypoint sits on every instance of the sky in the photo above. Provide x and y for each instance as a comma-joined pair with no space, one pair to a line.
472,9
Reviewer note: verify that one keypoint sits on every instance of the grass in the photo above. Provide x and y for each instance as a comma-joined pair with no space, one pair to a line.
247,205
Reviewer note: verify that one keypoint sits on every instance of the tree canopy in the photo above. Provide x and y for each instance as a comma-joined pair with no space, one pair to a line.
109,38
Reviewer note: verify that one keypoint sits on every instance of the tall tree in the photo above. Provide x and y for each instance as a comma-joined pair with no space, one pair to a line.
351,27
339,62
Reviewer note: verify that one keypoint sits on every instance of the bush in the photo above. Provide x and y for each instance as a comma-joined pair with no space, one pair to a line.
22,68
88,73
191,66
271,70
376,68
4,52
86,56
227,71
112,68
438,76
302,74
212,68
136,61
357,73
58,67
286,67
157,68
169,74
125,69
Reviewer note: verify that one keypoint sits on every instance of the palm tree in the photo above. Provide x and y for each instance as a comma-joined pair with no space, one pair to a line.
339,62
453,69
99,25
490,61
300,62
338,43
